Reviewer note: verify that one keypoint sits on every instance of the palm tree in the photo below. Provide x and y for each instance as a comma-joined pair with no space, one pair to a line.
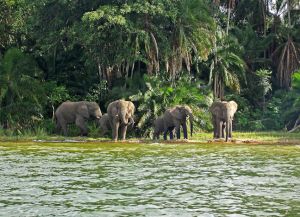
227,67
286,56
191,36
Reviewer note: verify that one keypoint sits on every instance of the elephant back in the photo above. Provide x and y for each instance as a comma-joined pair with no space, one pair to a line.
104,121
112,108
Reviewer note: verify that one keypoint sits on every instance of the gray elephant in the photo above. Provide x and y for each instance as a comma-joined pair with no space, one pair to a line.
222,117
176,117
104,124
76,112
120,113
159,128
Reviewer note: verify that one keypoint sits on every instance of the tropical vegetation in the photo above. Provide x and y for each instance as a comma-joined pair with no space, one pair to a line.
155,53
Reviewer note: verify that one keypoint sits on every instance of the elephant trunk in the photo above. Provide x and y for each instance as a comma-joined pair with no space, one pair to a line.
191,118
123,116
131,121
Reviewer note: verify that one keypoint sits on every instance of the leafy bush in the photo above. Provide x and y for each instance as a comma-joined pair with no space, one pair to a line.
280,112
161,94
22,95
250,118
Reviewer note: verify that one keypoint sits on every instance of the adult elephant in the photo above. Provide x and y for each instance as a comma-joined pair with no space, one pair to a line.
120,113
222,117
176,117
76,112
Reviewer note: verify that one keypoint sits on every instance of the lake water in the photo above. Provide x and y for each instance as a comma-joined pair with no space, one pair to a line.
43,179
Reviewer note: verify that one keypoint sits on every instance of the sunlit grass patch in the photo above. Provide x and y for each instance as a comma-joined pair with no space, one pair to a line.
258,136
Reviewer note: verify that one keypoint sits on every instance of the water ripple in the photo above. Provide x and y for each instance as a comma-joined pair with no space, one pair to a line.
149,180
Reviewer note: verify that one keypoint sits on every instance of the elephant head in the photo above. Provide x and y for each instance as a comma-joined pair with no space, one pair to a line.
188,112
94,110
125,112
184,112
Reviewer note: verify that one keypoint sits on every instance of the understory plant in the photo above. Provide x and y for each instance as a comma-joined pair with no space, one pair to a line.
160,94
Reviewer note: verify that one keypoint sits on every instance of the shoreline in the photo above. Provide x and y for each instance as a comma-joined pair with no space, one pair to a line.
250,138
162,142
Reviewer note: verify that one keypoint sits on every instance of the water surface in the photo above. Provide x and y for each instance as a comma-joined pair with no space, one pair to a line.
43,179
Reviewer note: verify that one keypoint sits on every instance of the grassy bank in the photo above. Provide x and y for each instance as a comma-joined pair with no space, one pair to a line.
259,136
239,137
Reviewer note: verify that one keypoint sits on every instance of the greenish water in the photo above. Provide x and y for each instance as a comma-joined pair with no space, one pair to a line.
149,180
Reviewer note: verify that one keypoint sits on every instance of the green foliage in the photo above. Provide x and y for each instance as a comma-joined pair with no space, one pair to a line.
264,82
21,94
52,51
296,81
55,95
252,118
280,112
227,68
258,87
160,95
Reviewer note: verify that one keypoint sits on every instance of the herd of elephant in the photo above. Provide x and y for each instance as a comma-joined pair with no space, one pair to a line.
120,116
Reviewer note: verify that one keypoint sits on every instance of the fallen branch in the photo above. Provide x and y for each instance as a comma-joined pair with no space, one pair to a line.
296,126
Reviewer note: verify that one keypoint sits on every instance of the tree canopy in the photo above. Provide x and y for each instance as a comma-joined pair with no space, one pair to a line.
56,50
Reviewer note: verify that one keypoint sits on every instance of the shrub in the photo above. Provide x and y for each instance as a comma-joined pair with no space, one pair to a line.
161,94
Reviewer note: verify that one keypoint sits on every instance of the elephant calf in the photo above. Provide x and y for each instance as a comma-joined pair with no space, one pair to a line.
159,128
222,117
104,124
76,112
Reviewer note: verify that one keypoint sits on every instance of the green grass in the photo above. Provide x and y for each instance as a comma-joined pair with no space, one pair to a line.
270,136
259,136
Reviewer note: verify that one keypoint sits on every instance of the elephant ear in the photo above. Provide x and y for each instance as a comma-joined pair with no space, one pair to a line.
113,108
233,106
131,108
83,111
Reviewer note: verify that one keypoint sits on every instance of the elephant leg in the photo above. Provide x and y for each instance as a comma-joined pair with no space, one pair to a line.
177,130
105,130
80,122
171,133
156,134
115,130
223,129
58,127
227,130
63,126
165,134
184,129
220,128
123,131
215,127
230,129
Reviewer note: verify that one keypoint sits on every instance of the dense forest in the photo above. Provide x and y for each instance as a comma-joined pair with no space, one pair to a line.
156,54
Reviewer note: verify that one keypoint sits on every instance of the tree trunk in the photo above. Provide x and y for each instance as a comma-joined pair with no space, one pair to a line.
228,19
53,112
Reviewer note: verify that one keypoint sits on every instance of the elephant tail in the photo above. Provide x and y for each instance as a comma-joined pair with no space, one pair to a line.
191,124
